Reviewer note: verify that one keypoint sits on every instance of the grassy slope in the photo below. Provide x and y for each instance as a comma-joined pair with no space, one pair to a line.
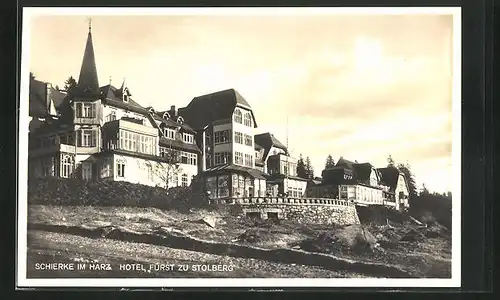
431,257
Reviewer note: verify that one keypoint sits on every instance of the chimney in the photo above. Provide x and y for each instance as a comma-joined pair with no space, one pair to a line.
172,112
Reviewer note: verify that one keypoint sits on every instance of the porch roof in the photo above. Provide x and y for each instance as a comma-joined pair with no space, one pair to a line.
232,167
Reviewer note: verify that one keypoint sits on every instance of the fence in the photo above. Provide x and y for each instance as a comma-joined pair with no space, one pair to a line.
282,200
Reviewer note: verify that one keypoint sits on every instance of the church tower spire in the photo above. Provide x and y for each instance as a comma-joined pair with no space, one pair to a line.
88,83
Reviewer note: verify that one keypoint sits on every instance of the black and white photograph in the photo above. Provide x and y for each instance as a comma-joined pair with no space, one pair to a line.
293,147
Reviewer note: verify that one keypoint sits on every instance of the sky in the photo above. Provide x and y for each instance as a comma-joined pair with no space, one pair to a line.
359,86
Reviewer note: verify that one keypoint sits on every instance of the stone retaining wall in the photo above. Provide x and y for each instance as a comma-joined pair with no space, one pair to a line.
303,210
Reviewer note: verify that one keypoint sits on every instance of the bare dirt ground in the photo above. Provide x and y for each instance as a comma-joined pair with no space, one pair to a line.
422,256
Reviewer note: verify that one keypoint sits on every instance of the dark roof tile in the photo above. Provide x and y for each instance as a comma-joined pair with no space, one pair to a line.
203,110
232,167
179,145
267,141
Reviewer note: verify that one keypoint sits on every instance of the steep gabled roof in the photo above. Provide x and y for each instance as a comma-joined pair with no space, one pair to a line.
342,162
335,175
40,102
363,171
171,123
390,177
114,97
267,141
203,110
257,146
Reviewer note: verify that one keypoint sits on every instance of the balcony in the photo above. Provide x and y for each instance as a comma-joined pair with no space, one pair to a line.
52,149
87,121
114,126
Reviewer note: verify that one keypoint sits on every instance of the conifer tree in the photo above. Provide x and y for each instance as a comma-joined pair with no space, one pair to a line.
301,168
330,163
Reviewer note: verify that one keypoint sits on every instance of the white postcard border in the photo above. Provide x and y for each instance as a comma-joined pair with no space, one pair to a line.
22,281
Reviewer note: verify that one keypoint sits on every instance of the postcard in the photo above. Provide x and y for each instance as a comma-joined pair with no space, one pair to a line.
239,147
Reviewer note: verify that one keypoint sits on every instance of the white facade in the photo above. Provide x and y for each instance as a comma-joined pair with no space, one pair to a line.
147,172
295,188
243,151
110,113
401,192
361,194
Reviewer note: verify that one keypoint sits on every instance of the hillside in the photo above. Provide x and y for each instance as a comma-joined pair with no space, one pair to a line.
65,222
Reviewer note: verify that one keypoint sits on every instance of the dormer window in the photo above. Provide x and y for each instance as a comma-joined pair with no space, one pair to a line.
169,133
180,120
151,111
248,119
238,117
188,138
125,95
166,115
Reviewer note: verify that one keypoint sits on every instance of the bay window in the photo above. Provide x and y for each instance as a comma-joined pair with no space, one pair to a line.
85,110
86,138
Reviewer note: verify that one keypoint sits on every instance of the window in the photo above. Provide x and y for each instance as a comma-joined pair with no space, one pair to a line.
248,160
238,158
163,151
85,110
110,117
248,120
248,140
66,166
238,118
136,142
222,158
120,166
238,137
192,159
125,95
170,133
184,180
180,120
86,171
184,157
223,186
86,138
222,137
188,138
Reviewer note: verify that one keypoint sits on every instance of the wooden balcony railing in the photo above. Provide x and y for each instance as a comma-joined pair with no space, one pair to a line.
281,200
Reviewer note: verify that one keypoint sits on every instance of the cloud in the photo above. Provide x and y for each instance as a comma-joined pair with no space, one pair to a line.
358,86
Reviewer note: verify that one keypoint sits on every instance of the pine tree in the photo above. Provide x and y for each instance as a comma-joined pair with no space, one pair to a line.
309,169
301,168
69,84
330,163
412,186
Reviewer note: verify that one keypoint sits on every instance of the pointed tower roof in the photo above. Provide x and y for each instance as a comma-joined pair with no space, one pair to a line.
88,84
